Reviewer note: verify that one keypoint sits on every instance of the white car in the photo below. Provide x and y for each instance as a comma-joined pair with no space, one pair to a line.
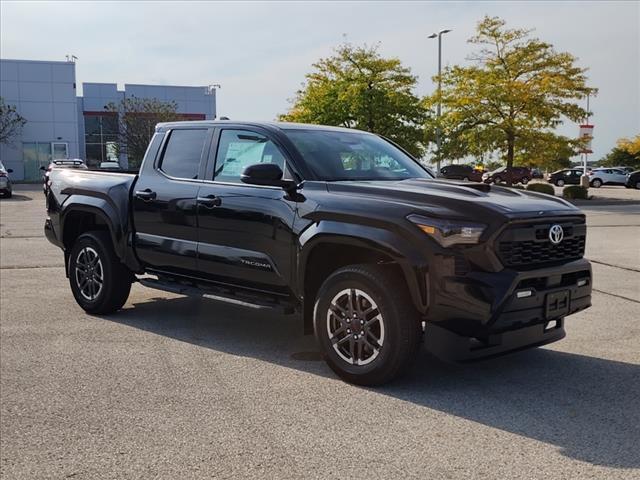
110,165
607,176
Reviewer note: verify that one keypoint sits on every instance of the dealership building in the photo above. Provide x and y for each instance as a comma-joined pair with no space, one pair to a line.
62,124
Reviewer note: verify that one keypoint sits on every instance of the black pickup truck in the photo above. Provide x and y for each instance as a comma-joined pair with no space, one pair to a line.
340,226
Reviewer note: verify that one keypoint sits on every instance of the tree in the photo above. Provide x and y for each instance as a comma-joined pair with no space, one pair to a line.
357,88
625,153
546,150
137,118
11,123
517,90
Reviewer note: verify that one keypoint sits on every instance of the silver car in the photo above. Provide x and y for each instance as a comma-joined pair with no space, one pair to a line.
5,182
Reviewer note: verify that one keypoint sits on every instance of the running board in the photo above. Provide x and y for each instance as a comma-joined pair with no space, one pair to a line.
220,295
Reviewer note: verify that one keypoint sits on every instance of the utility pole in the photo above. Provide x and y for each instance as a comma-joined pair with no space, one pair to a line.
439,107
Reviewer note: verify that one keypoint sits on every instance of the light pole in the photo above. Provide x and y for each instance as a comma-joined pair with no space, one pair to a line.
439,110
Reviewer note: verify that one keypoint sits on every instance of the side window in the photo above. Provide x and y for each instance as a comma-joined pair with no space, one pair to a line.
237,149
182,154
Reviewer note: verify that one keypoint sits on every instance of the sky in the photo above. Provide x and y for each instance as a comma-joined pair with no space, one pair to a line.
259,52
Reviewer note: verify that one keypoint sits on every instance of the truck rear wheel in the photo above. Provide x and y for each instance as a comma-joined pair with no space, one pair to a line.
366,325
99,282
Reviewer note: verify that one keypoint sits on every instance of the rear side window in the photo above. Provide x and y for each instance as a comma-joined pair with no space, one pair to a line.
182,154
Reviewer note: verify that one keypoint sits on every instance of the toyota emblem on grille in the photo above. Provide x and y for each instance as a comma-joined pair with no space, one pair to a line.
556,234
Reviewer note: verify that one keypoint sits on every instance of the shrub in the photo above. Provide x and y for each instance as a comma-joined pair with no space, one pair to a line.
541,188
575,191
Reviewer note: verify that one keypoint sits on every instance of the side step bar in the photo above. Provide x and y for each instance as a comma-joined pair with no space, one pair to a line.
220,295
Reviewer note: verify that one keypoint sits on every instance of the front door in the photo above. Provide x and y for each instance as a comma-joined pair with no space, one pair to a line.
245,231
164,202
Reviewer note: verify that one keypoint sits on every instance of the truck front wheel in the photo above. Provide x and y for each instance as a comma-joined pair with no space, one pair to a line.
99,282
366,325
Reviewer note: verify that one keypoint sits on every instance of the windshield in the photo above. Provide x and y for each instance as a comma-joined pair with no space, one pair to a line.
335,156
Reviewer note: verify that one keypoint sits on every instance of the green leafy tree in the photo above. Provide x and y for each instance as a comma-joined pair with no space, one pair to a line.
137,118
626,153
358,88
512,96
11,122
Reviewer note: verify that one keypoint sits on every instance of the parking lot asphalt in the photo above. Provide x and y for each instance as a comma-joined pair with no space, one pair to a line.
173,387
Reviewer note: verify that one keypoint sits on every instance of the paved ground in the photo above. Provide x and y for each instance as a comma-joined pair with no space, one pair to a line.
176,388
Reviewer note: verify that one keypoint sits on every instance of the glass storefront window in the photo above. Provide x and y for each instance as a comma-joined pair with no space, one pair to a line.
101,139
35,155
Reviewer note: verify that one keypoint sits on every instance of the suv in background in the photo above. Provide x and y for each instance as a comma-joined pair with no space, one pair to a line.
537,173
461,172
500,175
5,182
607,176
633,180
568,176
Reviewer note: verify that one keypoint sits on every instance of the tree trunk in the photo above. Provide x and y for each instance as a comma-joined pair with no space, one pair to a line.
511,140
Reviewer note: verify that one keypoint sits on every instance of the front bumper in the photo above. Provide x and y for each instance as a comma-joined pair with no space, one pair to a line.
449,346
481,304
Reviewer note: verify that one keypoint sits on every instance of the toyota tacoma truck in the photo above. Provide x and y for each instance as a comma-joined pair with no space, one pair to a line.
339,226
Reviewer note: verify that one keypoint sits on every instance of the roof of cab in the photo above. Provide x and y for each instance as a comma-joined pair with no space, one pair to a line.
275,125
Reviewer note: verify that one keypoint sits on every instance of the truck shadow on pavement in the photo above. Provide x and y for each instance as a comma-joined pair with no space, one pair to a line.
588,407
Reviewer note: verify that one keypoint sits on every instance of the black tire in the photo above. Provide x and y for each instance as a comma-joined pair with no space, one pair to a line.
497,180
116,278
465,179
559,183
596,183
638,185
400,337
524,180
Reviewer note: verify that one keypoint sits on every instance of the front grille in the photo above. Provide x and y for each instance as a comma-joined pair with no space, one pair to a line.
526,246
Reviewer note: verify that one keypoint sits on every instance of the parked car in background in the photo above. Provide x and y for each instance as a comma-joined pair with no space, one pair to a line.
633,180
568,176
625,169
6,189
607,176
537,173
461,172
500,175
109,166
62,163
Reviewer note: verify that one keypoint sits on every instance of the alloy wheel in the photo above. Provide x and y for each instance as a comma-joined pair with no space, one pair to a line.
89,273
355,327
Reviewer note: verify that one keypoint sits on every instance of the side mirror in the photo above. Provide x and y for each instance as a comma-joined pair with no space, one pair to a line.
9,170
44,169
268,174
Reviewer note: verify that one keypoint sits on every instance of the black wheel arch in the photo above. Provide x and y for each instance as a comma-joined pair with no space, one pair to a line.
81,215
328,246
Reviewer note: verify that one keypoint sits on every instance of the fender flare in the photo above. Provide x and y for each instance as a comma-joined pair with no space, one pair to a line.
410,259
114,216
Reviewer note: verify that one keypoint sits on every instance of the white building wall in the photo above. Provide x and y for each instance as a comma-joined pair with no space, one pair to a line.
44,93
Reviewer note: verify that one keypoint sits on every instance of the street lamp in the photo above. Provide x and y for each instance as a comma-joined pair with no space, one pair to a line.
439,111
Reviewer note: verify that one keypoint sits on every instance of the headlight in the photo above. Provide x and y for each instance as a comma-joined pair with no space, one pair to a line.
449,232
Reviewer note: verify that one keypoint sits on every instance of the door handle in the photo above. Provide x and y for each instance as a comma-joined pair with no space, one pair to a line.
210,201
146,195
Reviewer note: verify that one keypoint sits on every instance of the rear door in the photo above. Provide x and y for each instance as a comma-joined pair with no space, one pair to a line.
164,202
618,176
245,231
575,177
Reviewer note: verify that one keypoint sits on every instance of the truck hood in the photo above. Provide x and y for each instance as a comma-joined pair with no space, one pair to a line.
460,199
